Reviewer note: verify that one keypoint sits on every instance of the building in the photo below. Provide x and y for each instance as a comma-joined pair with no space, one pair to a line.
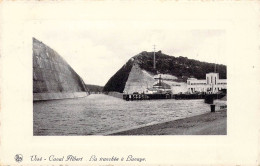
212,84
159,87
176,85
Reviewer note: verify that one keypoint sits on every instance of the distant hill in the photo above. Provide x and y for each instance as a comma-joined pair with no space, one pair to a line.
94,88
181,67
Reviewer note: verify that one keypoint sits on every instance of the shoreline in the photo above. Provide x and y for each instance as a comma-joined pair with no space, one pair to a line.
204,124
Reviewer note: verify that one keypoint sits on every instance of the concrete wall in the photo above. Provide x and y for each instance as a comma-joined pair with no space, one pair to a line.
53,78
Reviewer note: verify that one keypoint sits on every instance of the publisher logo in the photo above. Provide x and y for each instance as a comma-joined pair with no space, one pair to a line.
18,158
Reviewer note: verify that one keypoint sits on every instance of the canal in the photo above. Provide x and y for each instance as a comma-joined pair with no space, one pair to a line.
97,114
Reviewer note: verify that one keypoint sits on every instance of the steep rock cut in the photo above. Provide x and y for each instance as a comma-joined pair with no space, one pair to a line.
138,80
53,78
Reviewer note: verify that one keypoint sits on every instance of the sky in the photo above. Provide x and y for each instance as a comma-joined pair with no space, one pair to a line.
97,49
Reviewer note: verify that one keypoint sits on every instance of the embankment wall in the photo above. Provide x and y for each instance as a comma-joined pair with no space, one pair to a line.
115,94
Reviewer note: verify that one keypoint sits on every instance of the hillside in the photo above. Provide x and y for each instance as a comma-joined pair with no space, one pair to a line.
181,67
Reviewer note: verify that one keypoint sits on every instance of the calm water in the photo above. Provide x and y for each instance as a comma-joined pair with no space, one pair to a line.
97,114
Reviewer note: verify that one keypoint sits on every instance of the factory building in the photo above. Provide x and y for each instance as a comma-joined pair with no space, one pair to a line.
212,84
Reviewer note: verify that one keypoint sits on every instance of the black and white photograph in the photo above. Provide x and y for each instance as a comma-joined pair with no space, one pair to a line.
119,82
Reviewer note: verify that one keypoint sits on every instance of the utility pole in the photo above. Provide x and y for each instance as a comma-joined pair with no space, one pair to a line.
154,65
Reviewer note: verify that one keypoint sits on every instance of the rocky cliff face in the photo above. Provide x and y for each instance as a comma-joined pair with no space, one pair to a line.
138,72
53,78
138,80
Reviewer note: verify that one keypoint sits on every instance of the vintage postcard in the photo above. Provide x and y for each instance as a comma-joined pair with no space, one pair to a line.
130,82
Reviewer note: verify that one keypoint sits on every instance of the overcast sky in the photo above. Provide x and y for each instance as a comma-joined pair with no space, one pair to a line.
97,49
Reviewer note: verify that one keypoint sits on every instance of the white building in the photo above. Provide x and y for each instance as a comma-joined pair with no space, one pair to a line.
212,84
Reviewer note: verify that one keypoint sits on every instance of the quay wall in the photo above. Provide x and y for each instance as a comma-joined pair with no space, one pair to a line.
115,94
53,77
208,98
